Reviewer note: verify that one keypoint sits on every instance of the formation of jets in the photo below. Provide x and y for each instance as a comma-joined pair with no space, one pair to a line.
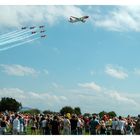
72,19
35,27
36,32
32,27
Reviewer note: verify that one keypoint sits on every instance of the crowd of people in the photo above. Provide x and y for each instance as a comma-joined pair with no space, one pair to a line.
49,124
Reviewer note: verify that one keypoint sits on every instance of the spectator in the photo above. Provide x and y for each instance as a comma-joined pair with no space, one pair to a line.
48,126
80,126
3,126
86,122
66,126
55,126
43,125
93,125
21,119
103,128
16,125
114,126
128,129
121,126
137,126
33,123
74,125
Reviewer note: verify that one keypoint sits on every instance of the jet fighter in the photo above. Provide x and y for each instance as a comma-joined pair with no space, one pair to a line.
33,32
42,31
78,19
43,36
23,28
42,26
32,27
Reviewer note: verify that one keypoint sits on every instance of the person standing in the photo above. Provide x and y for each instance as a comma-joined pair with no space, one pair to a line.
16,125
129,129
43,125
66,126
21,119
33,123
73,122
80,125
93,125
137,126
103,128
3,125
48,125
55,125
86,124
114,126
121,126
26,122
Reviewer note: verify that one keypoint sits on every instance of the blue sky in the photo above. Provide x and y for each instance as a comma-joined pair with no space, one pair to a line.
93,65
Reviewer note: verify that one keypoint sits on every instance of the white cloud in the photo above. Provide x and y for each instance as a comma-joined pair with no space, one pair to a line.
56,50
18,70
119,18
92,72
35,95
108,100
46,71
91,86
56,86
117,96
116,72
33,99
109,19
25,15
13,93
137,71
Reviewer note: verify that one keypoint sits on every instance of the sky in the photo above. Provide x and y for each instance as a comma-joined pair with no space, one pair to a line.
92,65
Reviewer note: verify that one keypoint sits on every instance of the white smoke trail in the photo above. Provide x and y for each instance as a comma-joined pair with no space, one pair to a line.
17,39
14,35
12,39
13,46
8,33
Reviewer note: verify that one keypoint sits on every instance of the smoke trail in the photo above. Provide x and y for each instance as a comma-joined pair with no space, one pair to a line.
16,39
12,39
8,33
13,46
14,35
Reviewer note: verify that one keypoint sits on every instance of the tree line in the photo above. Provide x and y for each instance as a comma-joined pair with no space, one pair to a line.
11,104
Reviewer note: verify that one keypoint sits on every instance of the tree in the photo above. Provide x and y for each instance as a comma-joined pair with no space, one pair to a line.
32,111
66,109
77,110
9,104
112,114
101,114
87,115
49,112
